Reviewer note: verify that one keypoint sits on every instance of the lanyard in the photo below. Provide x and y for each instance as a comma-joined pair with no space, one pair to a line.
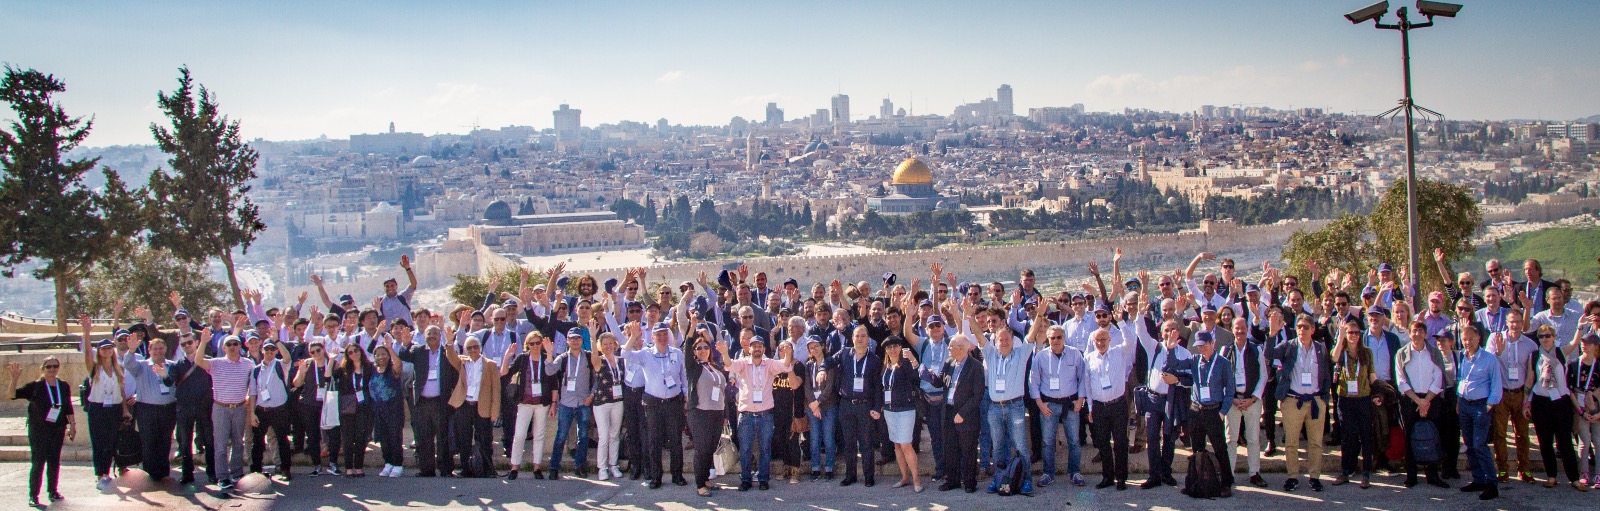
758,373
616,370
316,377
572,367
715,376
538,370
1345,359
1209,369
860,367
55,393
1003,363
955,376
1307,355
888,377
1056,368
1588,381
1469,362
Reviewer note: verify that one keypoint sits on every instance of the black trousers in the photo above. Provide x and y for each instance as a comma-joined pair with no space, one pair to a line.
1552,421
45,441
103,424
508,417
1035,432
705,428
474,434
1444,415
355,430
194,426
1206,427
856,428
1269,410
156,423
961,449
430,420
309,418
1408,414
633,428
664,423
1357,432
276,418
1111,438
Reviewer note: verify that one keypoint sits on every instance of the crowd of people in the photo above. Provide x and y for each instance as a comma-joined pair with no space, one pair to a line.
846,377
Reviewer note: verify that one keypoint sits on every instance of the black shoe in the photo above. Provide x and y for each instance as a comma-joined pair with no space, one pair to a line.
815,475
948,486
848,480
763,486
34,502
1474,487
1438,482
635,476
511,476
1098,457
1316,485
1150,483
744,486
869,483
680,481
1104,483
583,472
827,476
555,474
538,473
970,489
426,474
653,484
1271,451
57,497
1122,485
1257,481
1168,480
185,481
1490,494
1411,482
1291,484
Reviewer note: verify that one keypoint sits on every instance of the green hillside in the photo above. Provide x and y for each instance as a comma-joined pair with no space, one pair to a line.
1565,252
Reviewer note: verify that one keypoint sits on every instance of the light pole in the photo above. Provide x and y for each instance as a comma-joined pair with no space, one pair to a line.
1375,14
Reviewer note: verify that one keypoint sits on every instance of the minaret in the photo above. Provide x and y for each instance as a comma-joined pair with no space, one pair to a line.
1144,170
752,153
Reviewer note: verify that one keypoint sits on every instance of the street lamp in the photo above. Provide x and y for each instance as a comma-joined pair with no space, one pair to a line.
1375,14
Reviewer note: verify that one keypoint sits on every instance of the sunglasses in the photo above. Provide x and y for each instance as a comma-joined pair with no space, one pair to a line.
53,366
1227,267
747,317
499,320
702,347
473,348
1547,336
230,345
187,344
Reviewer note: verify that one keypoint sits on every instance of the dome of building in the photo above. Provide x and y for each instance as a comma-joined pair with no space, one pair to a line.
912,172
498,212
423,161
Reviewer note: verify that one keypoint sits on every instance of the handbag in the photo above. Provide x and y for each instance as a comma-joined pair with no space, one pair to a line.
330,408
725,460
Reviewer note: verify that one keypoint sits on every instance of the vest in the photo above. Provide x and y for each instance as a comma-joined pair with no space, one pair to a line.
1252,364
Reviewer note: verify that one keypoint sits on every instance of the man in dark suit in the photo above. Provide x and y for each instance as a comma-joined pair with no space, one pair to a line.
962,376
1533,292
429,396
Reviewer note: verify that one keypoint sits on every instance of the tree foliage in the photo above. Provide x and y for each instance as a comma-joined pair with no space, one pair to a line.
1448,218
470,289
1344,243
203,208
144,276
47,213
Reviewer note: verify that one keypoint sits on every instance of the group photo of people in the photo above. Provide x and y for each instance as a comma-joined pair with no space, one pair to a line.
920,380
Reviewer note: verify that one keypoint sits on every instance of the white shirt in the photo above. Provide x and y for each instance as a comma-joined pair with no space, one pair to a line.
1423,377
474,375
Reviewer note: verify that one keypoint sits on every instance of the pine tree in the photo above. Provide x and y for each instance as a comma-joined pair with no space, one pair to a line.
203,209
47,213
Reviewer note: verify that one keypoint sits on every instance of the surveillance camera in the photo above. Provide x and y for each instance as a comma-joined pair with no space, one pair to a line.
1431,9
1372,12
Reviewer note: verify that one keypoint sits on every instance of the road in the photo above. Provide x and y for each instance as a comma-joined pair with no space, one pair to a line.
372,493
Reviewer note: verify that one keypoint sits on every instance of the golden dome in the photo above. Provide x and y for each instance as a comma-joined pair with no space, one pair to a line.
912,172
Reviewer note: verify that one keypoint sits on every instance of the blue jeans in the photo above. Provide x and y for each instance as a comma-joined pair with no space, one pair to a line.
564,418
985,450
1008,422
755,445
1475,419
1061,416
1161,435
823,442
933,415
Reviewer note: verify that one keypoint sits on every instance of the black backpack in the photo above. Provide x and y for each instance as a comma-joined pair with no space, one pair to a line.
1205,476
1425,442
1015,476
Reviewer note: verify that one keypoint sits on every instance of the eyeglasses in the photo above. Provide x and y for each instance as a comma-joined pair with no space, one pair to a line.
53,366
1166,284
473,348
747,317
1056,338
1463,309
499,320
702,347
230,345
1547,336
1227,267
186,344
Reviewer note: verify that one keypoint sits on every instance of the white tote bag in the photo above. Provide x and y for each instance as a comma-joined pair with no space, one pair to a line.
330,408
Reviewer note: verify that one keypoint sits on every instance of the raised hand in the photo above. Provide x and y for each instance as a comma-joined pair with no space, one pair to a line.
405,262
14,369
85,322
1116,255
316,279
1438,255
1094,268
176,299
302,298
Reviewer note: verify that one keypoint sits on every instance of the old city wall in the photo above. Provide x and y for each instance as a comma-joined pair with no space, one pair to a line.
999,262
1542,212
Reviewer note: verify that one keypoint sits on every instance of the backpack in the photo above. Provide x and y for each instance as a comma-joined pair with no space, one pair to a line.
129,448
1015,476
1425,442
1204,480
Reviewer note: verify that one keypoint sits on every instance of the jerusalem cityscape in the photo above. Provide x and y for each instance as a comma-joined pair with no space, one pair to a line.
801,256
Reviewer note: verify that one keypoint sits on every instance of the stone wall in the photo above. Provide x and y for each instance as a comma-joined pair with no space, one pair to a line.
1545,211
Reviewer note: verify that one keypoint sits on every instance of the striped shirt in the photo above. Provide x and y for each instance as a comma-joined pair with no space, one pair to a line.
230,381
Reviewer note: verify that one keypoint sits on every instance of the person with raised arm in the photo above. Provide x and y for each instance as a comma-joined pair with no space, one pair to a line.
309,392
665,380
350,375
431,412
706,385
50,420
755,374
606,395
476,401
1550,407
231,404
269,385
1305,380
534,394
1054,382
574,370
155,409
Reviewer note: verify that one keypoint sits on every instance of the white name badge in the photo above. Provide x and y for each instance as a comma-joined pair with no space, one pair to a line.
266,394
1000,386
572,386
1305,379
671,382
1105,381
632,372
536,390
861,384
755,396
616,391
1514,373
716,396
816,394
1055,384
361,398
1205,393
1352,387
165,389
887,396
1238,385
322,393
433,374
53,414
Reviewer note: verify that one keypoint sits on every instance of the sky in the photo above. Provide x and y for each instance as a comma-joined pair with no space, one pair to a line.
291,70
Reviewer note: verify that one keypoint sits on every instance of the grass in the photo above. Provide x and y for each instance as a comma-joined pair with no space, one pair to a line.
1565,252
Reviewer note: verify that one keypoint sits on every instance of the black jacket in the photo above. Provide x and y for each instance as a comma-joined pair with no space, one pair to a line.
970,391
417,355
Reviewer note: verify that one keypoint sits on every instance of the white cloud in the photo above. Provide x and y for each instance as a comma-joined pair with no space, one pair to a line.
759,99
670,76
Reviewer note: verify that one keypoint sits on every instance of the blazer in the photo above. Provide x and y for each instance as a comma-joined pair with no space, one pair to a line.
692,371
488,388
517,376
417,355
1287,353
826,391
972,389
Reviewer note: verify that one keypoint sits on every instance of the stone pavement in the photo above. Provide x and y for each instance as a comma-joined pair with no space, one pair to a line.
134,492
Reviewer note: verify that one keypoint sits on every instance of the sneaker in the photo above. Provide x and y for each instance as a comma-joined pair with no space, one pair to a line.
1316,485
316,471
1027,487
387,468
398,471
333,469
1077,479
103,484
228,484
1047,479
616,472
605,474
